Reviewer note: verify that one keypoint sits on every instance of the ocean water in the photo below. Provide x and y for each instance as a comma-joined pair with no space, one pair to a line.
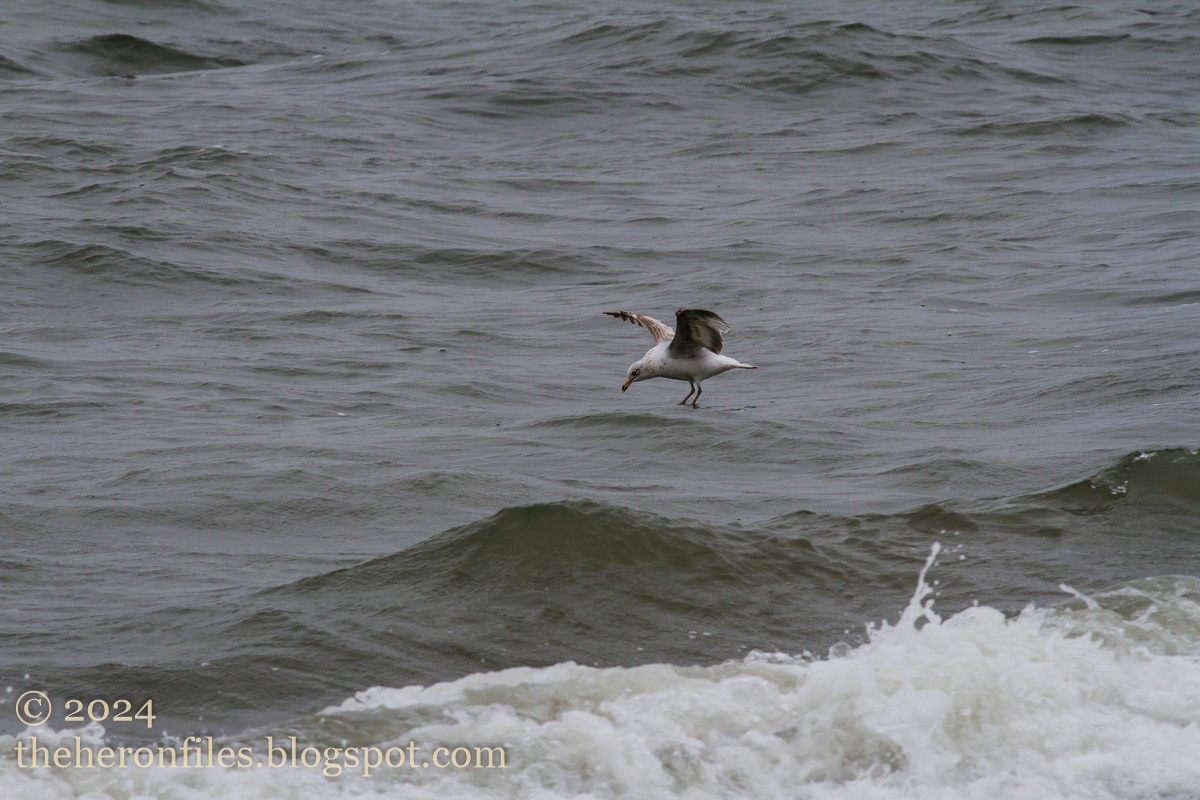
312,425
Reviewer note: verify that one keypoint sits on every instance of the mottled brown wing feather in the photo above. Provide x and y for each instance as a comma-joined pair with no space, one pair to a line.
698,328
660,332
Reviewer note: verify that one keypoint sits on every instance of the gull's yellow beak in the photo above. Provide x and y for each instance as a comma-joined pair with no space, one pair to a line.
625,385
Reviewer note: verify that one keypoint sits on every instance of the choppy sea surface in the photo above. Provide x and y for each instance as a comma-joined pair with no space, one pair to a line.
310,421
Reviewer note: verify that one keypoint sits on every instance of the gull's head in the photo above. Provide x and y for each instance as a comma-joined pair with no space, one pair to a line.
638,371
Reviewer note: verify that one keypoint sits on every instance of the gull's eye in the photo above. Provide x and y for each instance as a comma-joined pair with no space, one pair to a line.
635,372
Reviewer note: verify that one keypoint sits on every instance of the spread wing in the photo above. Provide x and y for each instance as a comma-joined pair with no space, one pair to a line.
698,328
660,332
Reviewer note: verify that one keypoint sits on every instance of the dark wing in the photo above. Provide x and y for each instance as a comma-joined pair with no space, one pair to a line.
697,328
660,332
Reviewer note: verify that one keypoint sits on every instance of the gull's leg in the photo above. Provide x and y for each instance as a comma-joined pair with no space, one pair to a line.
697,400
683,402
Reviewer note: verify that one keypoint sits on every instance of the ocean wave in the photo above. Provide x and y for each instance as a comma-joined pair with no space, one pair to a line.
571,571
1163,480
517,265
538,584
611,421
1067,702
9,358
124,54
1158,482
1078,124
173,5
117,265
1078,40
10,68
533,586
634,62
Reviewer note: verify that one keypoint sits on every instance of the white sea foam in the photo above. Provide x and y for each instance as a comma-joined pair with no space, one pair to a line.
1093,700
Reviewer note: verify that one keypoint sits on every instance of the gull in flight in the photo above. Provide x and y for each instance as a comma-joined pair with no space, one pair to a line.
691,354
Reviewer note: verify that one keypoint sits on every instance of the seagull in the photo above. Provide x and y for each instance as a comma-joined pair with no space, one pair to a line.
692,354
